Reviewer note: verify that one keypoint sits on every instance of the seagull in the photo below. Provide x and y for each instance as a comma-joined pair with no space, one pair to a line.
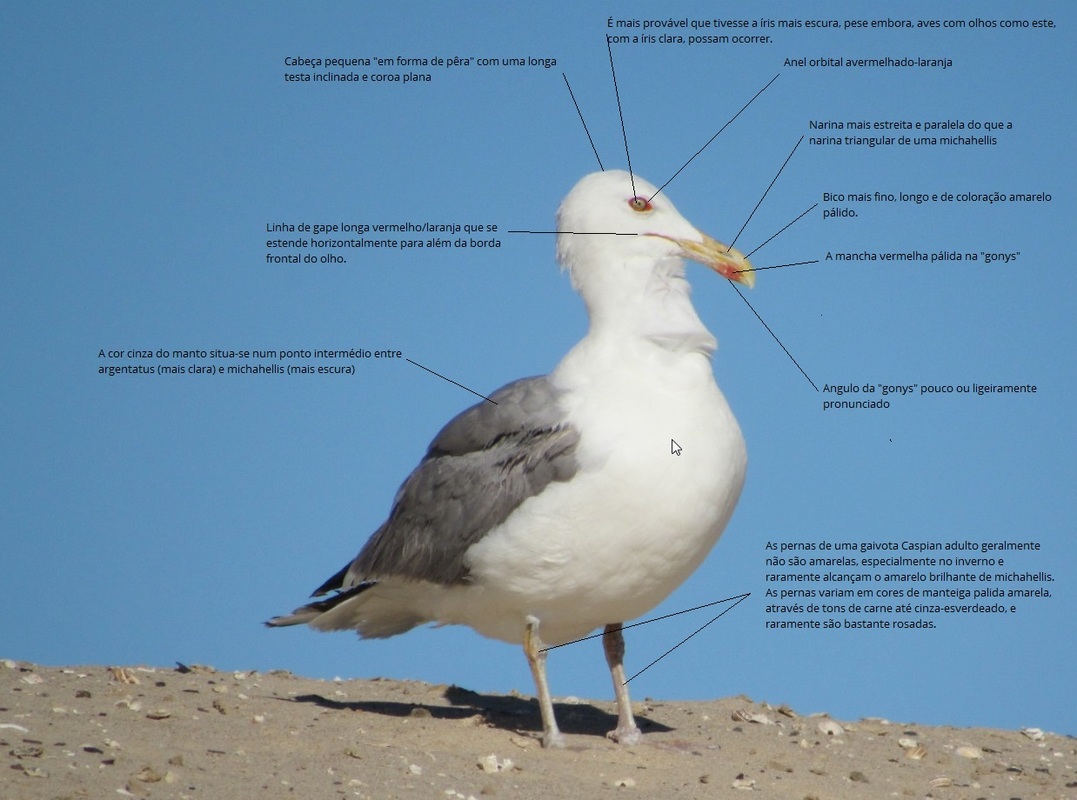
557,507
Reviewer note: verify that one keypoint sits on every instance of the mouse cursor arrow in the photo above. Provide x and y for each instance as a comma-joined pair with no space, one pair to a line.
674,448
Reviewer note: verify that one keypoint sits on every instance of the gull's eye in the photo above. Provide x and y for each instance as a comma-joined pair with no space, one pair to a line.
638,203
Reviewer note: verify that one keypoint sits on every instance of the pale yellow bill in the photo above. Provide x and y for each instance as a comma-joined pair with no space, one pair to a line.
729,262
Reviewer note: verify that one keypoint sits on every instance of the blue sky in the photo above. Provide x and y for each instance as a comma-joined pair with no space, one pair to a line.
154,519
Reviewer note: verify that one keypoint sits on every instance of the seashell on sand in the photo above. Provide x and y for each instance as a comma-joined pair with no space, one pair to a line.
830,728
916,753
743,715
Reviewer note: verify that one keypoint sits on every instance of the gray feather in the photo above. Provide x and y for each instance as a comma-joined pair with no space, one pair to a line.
481,466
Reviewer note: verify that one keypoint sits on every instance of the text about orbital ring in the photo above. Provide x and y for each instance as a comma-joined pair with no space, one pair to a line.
900,585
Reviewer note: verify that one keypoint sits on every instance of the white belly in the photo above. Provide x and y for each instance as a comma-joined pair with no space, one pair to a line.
631,526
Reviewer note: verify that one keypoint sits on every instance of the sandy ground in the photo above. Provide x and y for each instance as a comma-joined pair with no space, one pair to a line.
195,732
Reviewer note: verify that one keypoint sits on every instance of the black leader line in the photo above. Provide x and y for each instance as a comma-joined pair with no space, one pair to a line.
686,638
780,266
799,216
592,141
620,113
450,380
761,199
704,147
779,341
738,598
583,233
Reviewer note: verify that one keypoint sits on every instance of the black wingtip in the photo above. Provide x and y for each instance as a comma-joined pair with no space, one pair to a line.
334,583
332,602
311,611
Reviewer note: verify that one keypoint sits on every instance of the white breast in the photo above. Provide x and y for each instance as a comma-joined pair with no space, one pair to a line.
635,520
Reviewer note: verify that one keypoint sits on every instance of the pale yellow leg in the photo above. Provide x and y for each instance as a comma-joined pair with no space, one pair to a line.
536,659
613,643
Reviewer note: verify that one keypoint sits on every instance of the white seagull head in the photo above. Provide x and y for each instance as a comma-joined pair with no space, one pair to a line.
624,246
603,221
